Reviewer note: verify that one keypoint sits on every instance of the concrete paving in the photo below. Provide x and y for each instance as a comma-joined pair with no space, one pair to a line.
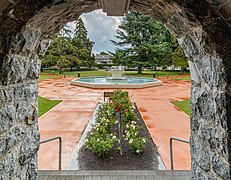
69,118
114,175
164,120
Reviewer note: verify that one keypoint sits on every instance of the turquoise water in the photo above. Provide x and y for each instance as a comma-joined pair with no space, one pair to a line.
104,80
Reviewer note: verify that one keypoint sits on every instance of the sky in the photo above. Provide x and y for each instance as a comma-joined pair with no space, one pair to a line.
101,29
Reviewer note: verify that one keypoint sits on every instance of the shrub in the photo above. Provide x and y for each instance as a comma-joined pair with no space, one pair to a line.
129,115
101,140
101,144
137,145
119,101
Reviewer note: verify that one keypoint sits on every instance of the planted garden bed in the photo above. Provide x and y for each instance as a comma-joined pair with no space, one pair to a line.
119,140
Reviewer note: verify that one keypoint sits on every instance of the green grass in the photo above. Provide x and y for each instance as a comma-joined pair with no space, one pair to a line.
183,78
150,73
45,105
55,73
87,73
183,105
45,77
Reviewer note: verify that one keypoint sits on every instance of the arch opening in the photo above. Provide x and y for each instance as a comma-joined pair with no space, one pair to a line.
203,30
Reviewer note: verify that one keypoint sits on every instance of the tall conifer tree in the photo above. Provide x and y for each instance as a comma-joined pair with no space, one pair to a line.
142,42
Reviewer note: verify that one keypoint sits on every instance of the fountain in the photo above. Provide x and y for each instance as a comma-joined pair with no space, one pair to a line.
116,73
116,80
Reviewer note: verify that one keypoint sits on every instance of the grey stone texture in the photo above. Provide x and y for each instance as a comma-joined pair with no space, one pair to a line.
203,28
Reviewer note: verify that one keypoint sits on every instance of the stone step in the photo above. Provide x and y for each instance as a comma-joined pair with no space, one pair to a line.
114,175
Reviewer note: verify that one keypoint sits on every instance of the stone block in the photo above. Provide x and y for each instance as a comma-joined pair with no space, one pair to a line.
189,45
34,67
205,106
7,117
178,23
115,8
30,145
221,166
216,2
16,69
9,95
20,68
211,70
32,115
2,98
19,43
200,153
225,9
29,171
32,37
43,45
9,165
26,92
4,4
13,137
22,110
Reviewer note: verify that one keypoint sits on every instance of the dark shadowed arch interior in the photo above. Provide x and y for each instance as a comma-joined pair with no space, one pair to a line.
203,29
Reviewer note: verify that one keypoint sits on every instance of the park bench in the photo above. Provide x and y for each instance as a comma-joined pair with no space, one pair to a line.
107,94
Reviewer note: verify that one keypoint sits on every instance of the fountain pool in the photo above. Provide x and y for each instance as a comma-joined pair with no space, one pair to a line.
107,82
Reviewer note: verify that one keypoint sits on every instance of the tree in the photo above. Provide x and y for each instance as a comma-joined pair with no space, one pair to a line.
62,63
178,57
61,49
103,53
119,57
142,41
69,50
83,43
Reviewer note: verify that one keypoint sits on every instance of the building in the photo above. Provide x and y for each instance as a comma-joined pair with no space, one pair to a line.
103,59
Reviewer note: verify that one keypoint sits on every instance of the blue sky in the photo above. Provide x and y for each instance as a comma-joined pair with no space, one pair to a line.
101,29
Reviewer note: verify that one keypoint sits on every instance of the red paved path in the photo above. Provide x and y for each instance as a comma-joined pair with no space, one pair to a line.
69,118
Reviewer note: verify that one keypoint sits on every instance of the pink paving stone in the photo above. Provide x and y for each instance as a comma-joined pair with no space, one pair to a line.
69,118
48,153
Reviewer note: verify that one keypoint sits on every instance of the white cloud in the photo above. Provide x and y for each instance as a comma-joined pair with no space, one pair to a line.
101,29
103,38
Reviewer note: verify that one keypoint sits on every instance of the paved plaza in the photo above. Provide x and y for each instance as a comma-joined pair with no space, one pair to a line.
69,118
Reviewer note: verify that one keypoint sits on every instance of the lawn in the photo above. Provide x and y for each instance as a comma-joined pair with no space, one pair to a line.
54,73
46,76
45,105
183,105
183,78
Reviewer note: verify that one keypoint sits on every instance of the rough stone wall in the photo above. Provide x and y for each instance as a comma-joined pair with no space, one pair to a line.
202,28
19,136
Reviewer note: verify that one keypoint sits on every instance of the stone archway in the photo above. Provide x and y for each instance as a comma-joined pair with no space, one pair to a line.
203,28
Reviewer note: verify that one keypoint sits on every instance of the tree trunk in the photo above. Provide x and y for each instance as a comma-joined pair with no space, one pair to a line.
140,69
184,70
71,68
60,70
41,70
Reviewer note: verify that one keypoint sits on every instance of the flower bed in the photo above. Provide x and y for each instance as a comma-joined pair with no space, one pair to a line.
119,139
118,112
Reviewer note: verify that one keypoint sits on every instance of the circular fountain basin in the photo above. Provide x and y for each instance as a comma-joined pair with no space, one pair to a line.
104,82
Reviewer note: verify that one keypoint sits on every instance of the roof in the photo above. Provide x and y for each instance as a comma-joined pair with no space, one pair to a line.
103,57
